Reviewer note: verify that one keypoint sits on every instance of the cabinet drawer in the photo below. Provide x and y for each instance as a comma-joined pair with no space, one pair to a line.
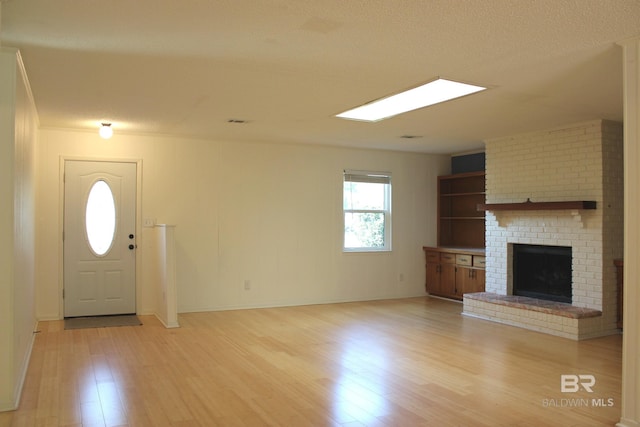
447,258
464,260
479,261
433,256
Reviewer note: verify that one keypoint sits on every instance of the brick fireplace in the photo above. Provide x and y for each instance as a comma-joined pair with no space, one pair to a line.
579,162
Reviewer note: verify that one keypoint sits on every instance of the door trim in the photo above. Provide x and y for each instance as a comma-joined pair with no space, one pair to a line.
139,239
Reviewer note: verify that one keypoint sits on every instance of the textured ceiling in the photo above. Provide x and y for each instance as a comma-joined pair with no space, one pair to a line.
287,66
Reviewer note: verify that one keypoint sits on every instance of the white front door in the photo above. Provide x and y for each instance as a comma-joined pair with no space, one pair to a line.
99,238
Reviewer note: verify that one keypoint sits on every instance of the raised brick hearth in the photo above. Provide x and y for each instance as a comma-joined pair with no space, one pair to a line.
580,162
533,304
555,318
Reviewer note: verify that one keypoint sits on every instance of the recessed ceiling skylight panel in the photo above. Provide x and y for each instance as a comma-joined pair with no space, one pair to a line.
431,93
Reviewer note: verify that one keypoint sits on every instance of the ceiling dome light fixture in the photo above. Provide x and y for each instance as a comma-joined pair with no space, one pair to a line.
106,131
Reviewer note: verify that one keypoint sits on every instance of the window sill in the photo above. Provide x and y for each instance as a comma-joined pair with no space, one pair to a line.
365,251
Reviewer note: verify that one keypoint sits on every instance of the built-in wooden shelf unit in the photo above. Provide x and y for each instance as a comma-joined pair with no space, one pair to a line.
460,223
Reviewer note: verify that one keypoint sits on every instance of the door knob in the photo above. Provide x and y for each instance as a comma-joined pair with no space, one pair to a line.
131,236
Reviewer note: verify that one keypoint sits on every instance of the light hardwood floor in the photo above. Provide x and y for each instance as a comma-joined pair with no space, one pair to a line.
408,362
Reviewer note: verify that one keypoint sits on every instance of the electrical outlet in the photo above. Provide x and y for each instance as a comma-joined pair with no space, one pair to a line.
247,285
401,277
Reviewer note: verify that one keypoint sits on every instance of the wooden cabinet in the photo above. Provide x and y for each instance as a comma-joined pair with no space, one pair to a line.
460,224
451,273
433,272
469,280
441,272
439,277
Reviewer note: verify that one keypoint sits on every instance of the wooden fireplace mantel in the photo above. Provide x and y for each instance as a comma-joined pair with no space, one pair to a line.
532,206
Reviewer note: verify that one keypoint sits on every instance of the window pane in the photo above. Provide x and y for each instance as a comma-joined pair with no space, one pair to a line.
100,218
364,195
363,230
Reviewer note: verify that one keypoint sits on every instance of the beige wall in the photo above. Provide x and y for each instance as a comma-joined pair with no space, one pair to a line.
267,213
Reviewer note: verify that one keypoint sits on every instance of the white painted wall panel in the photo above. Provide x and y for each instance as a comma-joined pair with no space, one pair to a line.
18,134
7,137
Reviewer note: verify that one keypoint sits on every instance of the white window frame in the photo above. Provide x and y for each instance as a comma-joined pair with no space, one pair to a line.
372,177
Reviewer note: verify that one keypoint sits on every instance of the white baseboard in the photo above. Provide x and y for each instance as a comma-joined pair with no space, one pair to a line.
628,423
167,325
17,391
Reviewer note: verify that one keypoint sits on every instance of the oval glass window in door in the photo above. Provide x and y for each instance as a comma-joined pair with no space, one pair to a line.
100,218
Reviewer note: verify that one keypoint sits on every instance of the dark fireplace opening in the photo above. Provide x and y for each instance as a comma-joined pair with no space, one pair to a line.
542,272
